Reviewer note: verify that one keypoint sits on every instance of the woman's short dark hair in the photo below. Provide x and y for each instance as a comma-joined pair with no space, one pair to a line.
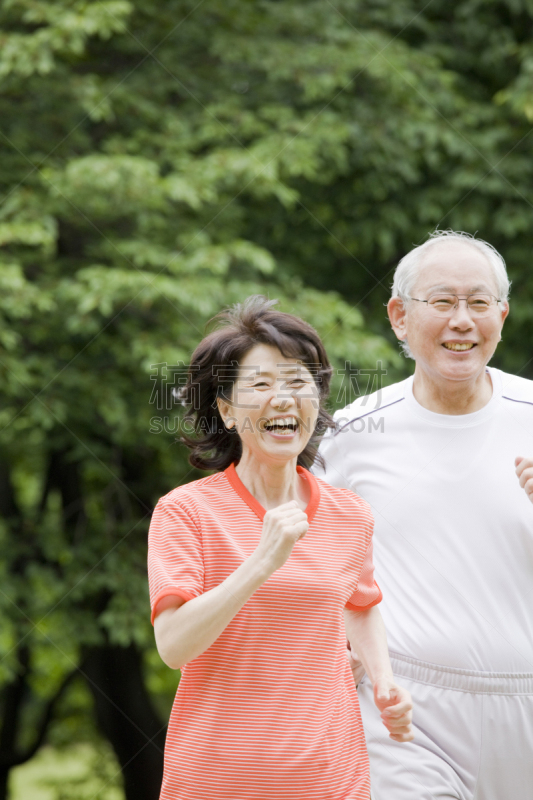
214,368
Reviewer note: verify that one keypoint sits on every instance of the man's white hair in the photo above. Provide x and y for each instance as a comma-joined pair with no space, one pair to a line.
409,268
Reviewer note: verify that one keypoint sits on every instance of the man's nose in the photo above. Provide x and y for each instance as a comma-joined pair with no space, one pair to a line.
461,317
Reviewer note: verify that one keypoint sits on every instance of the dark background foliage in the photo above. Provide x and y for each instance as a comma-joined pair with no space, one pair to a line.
160,159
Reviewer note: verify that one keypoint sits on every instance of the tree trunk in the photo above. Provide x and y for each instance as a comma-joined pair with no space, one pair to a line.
64,474
4,776
12,694
13,699
127,718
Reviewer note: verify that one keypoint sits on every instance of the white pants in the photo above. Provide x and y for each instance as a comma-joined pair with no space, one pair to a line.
473,736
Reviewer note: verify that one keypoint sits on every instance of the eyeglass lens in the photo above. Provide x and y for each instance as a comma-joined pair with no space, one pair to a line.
446,303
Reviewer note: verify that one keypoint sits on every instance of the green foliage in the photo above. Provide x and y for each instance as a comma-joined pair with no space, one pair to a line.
79,772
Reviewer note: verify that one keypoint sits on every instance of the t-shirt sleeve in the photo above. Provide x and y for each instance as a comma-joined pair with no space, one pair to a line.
368,593
175,557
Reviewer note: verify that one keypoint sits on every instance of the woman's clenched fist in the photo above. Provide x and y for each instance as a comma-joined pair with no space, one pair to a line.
282,528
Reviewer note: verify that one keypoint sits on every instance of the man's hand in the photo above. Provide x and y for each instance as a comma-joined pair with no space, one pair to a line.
396,708
524,470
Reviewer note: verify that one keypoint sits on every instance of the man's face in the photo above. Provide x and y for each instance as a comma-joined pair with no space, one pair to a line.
462,270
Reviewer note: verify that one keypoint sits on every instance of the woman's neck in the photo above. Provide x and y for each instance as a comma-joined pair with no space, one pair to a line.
273,484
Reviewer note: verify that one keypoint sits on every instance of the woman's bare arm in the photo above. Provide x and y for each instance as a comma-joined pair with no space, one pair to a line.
367,637
184,630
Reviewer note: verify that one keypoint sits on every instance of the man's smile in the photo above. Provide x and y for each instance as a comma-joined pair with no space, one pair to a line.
459,345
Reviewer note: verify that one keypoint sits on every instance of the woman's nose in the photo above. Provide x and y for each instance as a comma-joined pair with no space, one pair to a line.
282,399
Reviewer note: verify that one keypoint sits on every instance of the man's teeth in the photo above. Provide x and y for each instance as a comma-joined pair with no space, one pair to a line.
457,346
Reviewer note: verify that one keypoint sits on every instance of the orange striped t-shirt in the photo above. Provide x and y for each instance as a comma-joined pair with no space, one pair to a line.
269,711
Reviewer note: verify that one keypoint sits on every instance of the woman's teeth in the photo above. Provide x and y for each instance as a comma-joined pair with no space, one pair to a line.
288,425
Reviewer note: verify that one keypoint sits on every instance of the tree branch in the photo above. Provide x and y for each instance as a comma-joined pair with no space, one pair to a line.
14,759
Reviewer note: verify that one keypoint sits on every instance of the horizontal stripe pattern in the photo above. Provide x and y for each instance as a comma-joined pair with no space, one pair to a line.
269,711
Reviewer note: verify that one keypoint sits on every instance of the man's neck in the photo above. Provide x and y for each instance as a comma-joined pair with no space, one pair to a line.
452,397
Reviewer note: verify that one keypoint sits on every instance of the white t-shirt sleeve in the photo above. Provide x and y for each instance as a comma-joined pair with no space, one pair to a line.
333,469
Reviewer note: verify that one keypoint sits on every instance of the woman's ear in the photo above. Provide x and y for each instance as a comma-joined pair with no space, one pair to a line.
224,409
397,316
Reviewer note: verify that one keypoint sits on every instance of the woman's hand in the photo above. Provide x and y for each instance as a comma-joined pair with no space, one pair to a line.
282,528
396,708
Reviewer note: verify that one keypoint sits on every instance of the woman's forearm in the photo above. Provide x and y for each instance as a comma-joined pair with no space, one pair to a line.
367,637
366,634
186,632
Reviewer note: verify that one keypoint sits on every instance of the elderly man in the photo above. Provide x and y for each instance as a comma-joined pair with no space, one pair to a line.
439,457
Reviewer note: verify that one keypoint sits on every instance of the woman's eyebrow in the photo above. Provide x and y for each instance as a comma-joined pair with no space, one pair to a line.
296,369
251,373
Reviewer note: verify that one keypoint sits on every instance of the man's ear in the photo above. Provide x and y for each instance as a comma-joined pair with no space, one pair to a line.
505,310
397,313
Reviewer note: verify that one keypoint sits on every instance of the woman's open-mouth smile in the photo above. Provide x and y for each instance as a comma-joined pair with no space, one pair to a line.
282,427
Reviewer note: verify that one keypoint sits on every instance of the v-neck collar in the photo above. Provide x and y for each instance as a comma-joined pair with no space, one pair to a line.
255,505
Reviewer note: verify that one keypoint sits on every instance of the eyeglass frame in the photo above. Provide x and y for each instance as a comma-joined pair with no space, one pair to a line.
459,298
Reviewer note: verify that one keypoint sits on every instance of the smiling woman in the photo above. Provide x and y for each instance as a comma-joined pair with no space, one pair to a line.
236,350
254,572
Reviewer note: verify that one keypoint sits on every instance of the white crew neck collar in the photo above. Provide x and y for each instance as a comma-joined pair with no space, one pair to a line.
457,420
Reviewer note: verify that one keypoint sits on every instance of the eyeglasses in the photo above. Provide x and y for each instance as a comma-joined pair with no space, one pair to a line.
443,305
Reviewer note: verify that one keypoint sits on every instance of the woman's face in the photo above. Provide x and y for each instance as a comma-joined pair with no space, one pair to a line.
274,405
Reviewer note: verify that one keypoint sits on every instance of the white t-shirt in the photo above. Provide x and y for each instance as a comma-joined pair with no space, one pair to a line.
453,539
